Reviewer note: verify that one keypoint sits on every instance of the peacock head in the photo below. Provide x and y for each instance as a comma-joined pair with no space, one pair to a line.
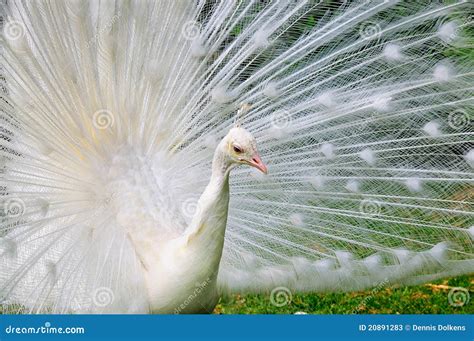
241,148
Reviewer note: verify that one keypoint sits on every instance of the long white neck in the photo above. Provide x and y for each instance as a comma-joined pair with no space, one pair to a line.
207,228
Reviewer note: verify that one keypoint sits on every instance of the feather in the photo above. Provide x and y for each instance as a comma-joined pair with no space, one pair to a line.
112,110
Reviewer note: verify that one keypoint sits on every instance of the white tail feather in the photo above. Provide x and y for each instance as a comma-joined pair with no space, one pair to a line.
113,109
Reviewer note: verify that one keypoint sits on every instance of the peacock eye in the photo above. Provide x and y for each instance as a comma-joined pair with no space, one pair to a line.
237,149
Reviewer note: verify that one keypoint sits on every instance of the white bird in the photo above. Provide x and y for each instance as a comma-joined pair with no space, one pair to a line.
121,121
173,267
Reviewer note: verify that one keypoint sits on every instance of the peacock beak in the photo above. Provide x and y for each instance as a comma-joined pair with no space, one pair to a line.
257,162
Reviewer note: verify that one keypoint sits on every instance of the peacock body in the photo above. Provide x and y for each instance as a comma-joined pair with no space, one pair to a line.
117,149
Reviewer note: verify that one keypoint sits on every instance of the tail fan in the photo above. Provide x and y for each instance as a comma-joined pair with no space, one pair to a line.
362,111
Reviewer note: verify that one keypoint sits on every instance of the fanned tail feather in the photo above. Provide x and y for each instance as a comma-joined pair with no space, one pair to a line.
365,120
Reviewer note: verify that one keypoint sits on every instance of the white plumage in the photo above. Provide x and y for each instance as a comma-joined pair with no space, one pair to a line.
116,122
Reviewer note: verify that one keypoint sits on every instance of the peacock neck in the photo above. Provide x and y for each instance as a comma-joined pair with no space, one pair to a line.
207,228
219,181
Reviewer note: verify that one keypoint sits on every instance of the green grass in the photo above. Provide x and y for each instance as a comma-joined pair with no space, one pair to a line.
423,299
430,298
